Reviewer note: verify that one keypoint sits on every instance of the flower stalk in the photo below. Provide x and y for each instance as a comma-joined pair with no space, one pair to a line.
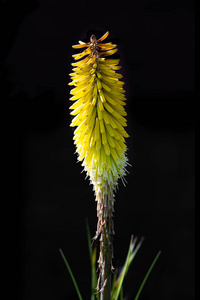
107,252
99,118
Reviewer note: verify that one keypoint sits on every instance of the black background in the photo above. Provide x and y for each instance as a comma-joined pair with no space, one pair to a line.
47,199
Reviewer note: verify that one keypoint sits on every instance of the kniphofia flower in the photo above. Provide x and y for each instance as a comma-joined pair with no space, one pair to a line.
99,118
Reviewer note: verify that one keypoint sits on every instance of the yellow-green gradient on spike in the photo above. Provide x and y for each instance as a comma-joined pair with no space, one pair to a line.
99,114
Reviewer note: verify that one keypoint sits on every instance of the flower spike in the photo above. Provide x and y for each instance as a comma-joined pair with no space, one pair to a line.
99,117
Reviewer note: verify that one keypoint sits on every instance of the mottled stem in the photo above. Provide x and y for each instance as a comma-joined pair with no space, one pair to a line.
105,229
107,259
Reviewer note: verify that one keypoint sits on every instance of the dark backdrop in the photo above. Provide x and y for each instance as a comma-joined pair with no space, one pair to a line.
47,199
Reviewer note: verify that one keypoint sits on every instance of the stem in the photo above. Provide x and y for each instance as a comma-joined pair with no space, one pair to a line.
107,259
105,229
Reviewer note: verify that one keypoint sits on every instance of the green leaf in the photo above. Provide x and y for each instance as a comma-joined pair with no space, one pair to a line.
147,275
93,254
114,281
121,293
117,287
71,274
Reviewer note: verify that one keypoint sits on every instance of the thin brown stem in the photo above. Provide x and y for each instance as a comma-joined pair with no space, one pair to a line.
107,260
105,230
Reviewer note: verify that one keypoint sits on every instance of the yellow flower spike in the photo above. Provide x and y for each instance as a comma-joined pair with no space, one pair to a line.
99,114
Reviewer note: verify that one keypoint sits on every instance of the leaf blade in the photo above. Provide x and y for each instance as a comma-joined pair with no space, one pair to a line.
147,275
93,264
71,274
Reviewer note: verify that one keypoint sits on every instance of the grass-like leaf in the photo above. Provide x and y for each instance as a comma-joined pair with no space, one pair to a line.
121,293
71,274
147,275
117,286
117,282
93,254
